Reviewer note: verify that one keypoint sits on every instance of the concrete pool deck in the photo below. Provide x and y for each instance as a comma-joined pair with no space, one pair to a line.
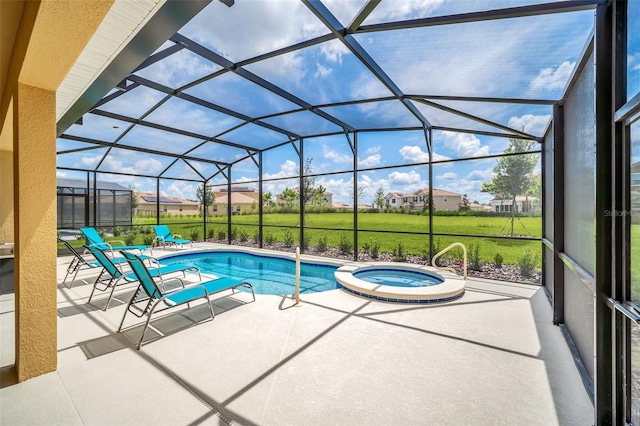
490,357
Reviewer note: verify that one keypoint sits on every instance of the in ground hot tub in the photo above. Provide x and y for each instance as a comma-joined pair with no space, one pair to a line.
400,282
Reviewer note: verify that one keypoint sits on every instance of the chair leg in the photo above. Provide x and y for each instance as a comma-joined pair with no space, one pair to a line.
146,324
113,288
74,266
128,308
75,275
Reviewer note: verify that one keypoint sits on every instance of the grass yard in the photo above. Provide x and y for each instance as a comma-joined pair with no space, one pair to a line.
245,226
275,230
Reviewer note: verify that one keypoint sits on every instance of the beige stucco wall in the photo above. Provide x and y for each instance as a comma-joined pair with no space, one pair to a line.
447,202
49,39
6,197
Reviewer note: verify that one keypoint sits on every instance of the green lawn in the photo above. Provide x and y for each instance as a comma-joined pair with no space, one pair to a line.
275,228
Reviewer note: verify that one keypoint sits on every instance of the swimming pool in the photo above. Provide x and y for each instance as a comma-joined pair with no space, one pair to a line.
267,274
398,277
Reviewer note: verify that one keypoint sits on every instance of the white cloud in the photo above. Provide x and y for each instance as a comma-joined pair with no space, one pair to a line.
373,150
287,169
333,51
366,86
529,123
90,162
480,175
403,178
178,69
180,189
414,154
633,61
464,144
322,71
370,161
149,166
336,157
396,10
550,79
439,157
447,177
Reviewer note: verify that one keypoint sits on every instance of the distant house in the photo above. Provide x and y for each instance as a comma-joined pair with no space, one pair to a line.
243,198
343,206
148,204
479,207
524,204
417,200
327,199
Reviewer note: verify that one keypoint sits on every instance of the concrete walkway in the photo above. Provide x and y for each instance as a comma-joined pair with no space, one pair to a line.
492,357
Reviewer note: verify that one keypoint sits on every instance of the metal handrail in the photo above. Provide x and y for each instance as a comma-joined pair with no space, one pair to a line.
464,266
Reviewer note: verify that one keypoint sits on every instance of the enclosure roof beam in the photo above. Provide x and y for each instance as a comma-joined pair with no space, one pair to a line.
488,15
484,99
139,149
516,133
324,15
223,62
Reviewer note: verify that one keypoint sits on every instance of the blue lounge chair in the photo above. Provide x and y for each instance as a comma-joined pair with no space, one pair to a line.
94,239
152,296
79,261
112,273
164,236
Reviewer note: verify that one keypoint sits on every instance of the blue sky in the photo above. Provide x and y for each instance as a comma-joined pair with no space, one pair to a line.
530,58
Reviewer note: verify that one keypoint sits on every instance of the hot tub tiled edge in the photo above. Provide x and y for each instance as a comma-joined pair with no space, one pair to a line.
452,288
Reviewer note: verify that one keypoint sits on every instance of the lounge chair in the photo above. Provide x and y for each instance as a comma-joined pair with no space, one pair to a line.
79,261
152,296
94,239
113,274
164,236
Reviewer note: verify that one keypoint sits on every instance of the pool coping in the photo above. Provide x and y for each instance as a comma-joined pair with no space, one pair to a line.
451,288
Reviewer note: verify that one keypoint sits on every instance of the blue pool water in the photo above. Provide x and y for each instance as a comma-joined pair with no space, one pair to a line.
267,274
398,278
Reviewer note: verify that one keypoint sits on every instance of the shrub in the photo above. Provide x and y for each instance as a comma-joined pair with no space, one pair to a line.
345,245
288,238
130,238
306,242
195,234
269,238
372,247
375,249
148,240
527,263
234,233
475,262
117,231
498,260
398,253
256,237
426,253
243,236
222,235
322,244
211,233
